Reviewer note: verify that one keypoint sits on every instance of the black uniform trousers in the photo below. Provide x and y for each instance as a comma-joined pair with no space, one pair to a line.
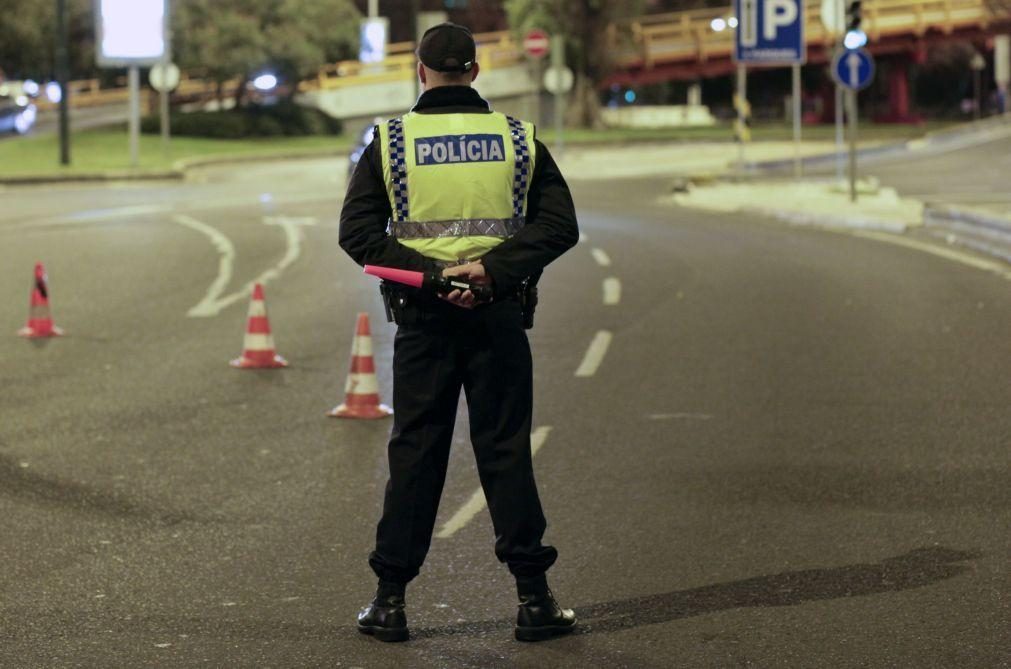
439,348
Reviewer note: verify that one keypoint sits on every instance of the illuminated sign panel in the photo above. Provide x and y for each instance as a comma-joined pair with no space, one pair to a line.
374,35
130,32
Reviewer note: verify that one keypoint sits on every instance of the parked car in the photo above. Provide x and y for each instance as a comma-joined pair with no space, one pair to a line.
364,139
17,114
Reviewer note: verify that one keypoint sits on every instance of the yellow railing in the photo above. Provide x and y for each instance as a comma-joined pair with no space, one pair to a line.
689,36
497,49
646,41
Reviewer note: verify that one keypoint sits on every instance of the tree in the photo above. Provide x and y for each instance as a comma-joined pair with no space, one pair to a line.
230,39
26,38
589,39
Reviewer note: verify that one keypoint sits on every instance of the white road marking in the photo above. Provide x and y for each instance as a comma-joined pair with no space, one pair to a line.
118,212
583,238
612,291
997,268
680,416
595,354
227,251
213,303
477,502
602,258
93,216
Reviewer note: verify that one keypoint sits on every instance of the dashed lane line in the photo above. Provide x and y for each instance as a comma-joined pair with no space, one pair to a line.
594,354
477,502
612,291
601,257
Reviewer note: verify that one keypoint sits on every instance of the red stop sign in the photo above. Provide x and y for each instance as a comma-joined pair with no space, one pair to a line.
536,43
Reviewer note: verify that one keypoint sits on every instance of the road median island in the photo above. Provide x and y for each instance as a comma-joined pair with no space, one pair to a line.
808,203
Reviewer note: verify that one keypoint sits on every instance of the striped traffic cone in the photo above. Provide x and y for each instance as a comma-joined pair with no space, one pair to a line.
361,392
40,323
258,346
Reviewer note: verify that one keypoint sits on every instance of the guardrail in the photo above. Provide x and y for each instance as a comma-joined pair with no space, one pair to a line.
643,42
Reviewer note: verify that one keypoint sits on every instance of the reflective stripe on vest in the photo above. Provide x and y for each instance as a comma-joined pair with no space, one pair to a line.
457,183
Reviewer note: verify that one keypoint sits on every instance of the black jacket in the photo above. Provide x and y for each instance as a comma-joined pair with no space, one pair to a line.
550,228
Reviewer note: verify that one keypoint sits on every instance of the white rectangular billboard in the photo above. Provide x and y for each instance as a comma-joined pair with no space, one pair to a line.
130,32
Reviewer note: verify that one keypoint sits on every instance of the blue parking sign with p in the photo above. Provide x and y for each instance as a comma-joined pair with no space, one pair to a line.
770,32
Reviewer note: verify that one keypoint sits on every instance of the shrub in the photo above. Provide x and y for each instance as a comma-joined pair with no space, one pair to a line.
285,118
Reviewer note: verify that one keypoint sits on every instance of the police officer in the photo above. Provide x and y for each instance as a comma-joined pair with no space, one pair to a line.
454,187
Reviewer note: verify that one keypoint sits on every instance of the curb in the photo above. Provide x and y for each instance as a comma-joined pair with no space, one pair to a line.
829,221
937,138
993,222
980,231
84,177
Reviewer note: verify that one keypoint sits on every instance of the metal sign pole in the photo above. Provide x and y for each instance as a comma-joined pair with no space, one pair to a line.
63,79
166,132
798,166
851,98
839,133
742,96
134,83
558,63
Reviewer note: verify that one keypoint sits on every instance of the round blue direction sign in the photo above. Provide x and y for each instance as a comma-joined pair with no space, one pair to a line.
853,68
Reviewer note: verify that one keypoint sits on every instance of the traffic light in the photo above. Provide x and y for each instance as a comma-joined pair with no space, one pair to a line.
853,18
855,37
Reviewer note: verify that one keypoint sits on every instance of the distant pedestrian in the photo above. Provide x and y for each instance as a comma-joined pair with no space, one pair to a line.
471,193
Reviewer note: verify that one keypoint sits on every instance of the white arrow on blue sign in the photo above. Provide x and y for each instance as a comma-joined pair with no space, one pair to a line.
770,32
853,68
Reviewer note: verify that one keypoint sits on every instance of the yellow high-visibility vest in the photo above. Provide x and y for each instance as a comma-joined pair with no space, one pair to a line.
457,183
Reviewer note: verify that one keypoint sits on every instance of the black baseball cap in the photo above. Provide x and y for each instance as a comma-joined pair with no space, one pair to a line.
447,47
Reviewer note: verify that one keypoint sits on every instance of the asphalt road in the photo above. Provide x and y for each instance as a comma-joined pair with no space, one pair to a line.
793,453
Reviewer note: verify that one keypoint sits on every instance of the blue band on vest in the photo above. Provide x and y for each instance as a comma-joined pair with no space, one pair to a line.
398,169
521,176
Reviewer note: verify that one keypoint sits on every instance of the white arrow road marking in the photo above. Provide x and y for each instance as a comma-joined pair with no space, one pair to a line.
477,501
595,354
213,303
225,262
612,291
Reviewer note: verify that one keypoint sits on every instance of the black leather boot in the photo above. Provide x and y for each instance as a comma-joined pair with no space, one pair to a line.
384,618
539,616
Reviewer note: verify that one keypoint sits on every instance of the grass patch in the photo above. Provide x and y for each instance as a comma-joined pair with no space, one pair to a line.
724,132
108,150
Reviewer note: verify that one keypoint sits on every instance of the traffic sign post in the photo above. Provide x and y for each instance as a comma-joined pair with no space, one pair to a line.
771,32
558,67
164,78
853,69
536,45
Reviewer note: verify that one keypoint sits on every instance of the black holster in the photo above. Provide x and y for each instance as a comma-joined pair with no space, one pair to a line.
528,302
395,301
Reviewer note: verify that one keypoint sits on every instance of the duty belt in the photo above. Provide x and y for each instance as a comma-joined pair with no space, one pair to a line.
467,227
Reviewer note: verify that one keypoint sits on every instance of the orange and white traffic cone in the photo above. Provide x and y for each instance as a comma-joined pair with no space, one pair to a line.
361,392
40,323
258,346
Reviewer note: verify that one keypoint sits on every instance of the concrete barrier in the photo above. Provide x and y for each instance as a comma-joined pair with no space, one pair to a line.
671,116
394,97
